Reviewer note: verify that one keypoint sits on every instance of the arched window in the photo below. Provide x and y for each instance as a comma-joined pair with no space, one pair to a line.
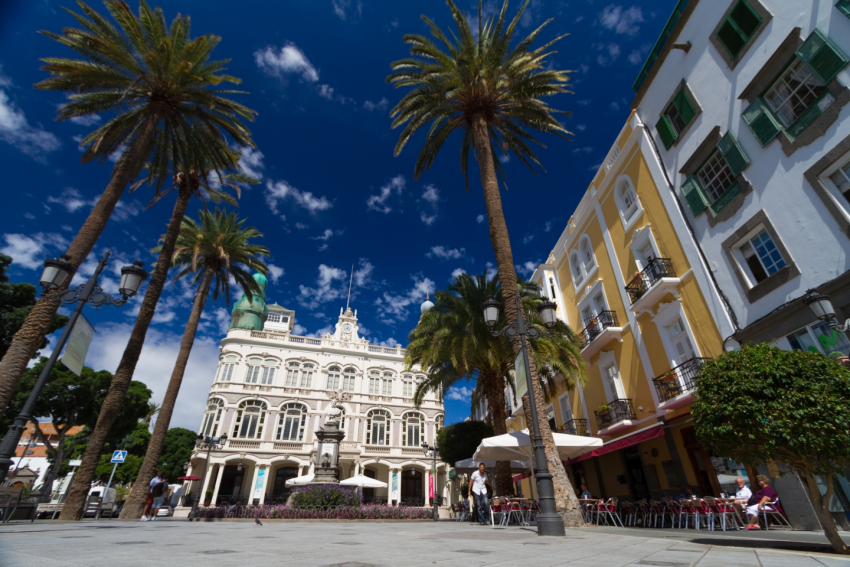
290,422
212,418
253,374
374,382
225,369
269,366
307,376
588,261
438,423
292,374
411,429
575,266
250,418
333,378
348,380
387,384
407,385
627,201
378,428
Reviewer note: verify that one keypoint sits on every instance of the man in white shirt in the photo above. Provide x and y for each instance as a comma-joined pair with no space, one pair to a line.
478,483
150,498
743,494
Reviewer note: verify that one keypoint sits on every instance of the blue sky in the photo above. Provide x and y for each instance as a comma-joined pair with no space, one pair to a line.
332,193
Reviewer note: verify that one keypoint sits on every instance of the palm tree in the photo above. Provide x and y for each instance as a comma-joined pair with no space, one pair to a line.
214,249
148,76
153,409
452,343
493,92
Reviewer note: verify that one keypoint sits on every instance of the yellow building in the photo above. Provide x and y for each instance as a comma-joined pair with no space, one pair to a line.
645,304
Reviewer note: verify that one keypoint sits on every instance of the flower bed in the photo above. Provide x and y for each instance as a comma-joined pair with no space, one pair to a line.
283,512
326,496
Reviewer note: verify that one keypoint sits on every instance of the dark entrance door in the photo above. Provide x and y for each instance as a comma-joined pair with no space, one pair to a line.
701,464
231,484
369,493
411,488
634,468
281,491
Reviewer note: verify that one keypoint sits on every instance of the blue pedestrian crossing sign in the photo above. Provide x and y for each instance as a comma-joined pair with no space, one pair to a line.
118,456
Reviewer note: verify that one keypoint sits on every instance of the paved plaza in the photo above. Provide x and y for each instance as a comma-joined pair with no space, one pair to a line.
360,544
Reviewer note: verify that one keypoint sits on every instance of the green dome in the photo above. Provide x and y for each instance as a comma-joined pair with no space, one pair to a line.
251,313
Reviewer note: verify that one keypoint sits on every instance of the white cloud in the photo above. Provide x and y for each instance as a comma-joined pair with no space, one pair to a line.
460,394
611,52
16,131
281,190
87,120
456,273
379,202
347,9
301,226
583,102
581,127
427,219
636,56
584,68
289,59
390,343
332,284
504,158
527,238
527,268
621,21
380,105
480,219
29,216
71,199
585,149
299,329
275,273
327,235
31,251
547,226
325,91
431,195
444,253
392,307
214,322
252,162
614,106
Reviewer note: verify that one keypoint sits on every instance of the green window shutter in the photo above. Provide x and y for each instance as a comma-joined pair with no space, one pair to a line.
692,190
734,155
844,7
822,56
745,18
684,106
761,121
726,197
739,26
804,121
666,131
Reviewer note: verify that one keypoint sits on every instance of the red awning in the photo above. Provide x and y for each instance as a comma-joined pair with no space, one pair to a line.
519,477
622,443
188,478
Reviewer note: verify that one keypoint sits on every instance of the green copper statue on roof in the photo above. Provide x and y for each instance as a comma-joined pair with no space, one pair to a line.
251,313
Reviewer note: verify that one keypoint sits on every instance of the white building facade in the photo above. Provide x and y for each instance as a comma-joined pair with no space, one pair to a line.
271,392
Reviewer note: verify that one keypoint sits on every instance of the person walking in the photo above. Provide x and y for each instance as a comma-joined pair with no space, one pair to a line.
159,492
479,482
150,497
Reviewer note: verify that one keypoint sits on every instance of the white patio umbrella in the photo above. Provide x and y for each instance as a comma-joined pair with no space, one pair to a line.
363,481
518,445
471,465
300,480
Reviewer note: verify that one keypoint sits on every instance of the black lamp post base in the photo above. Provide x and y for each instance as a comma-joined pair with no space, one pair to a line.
550,524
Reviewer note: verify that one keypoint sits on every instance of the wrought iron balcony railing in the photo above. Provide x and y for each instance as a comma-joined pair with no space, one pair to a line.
596,325
656,269
620,410
678,380
574,427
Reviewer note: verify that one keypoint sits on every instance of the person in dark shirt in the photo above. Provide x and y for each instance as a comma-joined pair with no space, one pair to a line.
765,498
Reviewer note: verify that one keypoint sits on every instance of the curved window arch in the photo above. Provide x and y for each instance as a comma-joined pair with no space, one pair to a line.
374,382
292,373
307,376
212,417
627,201
378,427
438,424
588,261
407,385
348,378
290,422
269,367
575,267
412,427
333,378
253,374
387,384
250,419
225,369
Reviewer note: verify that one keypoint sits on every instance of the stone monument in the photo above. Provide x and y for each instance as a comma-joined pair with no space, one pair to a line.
327,454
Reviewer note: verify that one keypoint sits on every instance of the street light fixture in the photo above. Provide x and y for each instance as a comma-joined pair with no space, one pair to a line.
431,451
208,443
822,307
549,523
56,272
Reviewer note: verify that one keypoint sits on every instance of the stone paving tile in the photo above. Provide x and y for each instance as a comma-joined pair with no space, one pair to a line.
775,559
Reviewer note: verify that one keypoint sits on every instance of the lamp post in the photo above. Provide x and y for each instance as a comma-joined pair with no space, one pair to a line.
821,306
56,271
208,443
549,523
431,451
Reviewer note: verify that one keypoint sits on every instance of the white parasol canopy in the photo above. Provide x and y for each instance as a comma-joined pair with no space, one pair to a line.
518,445
300,480
363,481
471,465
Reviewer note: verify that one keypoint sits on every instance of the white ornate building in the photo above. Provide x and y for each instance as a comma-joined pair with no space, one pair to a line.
272,390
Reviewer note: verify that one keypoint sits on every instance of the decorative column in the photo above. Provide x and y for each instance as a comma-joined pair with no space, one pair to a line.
211,470
217,484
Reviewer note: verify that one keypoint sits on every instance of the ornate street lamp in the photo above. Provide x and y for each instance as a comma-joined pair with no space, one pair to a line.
56,272
549,523
821,306
201,443
431,451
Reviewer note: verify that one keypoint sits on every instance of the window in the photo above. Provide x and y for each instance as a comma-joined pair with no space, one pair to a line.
378,428
588,261
677,333
374,382
411,429
292,374
761,256
333,378
438,424
841,179
819,337
212,418
576,268
582,261
613,385
225,371
387,384
290,422
253,374
738,28
273,317
716,183
628,201
566,408
844,7
307,376
250,418
407,386
268,371
553,297
675,118
798,95
348,380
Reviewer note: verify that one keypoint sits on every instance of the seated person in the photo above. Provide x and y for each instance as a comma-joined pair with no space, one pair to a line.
765,498
743,494
585,495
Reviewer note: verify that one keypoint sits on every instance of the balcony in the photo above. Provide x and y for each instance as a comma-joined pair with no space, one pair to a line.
600,330
574,427
619,416
652,283
676,386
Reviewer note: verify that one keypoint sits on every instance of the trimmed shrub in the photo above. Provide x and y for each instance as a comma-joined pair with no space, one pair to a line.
326,496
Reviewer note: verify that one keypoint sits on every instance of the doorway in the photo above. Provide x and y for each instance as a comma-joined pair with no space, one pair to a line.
368,493
411,488
281,492
231,484
634,468
701,464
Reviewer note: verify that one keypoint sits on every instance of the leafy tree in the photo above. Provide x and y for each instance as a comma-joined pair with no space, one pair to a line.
492,91
762,404
153,409
176,451
458,441
212,251
16,301
135,443
146,77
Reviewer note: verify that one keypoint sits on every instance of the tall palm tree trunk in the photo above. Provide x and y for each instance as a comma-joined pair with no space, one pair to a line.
76,500
29,337
565,497
494,391
135,502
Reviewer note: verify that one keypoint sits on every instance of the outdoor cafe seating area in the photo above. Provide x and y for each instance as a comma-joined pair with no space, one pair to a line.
503,511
